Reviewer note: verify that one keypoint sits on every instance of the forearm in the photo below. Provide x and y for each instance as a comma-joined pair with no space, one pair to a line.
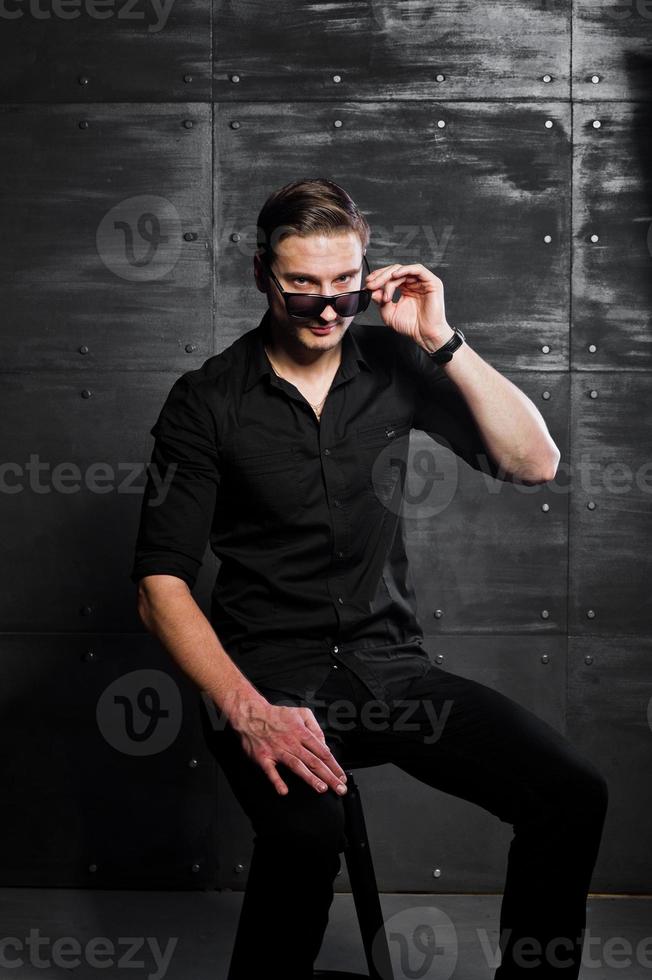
169,612
512,428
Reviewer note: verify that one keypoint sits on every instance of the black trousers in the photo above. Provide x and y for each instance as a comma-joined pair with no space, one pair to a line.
486,748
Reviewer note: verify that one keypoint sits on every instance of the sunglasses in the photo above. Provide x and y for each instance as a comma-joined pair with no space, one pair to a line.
309,305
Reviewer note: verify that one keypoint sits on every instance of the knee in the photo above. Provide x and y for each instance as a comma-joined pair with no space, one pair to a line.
318,826
590,790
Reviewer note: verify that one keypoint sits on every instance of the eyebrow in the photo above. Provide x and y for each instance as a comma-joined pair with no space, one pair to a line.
305,275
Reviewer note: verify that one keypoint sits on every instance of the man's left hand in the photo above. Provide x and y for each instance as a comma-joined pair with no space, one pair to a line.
419,312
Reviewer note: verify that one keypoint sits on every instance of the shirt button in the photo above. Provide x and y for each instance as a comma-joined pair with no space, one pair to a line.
334,666
335,649
327,452
340,600
336,502
340,554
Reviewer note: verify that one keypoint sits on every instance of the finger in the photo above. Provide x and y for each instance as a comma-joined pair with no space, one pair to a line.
321,760
314,726
269,767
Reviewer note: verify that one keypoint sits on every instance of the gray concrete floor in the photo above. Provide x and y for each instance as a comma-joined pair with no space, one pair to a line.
51,933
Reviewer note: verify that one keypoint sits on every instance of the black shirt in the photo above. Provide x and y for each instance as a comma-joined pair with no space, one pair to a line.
303,513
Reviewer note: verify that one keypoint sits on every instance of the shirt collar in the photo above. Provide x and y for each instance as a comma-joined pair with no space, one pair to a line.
258,363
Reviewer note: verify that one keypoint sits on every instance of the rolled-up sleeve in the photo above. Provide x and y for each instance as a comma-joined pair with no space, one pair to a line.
441,410
181,488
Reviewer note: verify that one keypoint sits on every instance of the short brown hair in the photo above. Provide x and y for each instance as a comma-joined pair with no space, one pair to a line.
313,205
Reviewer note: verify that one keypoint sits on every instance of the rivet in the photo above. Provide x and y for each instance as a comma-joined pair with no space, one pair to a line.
83,79
190,236
545,348
187,78
83,124
235,78
595,79
593,393
187,123
590,613
548,123
190,348
545,658
86,393
547,78
588,659
547,239
193,763
234,124
337,78
592,348
545,508
337,123
92,868
545,395
88,657
438,613
239,868
235,237
591,505
440,78
439,658
86,611
596,124
441,123
83,349
437,873
195,868
545,614
595,238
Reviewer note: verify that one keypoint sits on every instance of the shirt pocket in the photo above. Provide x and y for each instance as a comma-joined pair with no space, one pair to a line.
268,486
382,452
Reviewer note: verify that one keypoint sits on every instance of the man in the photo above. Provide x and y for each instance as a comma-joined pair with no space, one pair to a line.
288,452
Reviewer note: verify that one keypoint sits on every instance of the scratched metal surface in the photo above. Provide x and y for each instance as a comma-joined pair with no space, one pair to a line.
391,49
69,529
611,40
609,718
612,194
485,554
610,563
85,790
131,50
472,200
96,220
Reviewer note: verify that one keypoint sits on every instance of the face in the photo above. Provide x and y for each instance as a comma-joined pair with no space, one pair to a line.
313,264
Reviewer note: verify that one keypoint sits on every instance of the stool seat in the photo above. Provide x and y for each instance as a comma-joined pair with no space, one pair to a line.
364,888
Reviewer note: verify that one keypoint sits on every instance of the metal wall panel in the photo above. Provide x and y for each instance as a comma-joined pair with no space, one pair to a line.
392,49
72,489
471,190
609,717
97,800
612,236
611,512
489,555
84,50
99,275
611,49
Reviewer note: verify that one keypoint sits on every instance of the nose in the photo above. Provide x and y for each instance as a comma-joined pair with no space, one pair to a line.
328,314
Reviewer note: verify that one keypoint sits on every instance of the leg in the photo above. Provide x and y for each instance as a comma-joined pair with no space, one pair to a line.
476,743
298,838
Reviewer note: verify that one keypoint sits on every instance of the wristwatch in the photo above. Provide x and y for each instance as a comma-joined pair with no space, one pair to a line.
445,353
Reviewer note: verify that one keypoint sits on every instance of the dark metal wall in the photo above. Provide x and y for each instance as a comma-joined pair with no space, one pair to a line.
507,147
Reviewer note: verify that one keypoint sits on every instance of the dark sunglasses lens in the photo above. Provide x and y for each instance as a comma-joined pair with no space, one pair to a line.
353,303
304,305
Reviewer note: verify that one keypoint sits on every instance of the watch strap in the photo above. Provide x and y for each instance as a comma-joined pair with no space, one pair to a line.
446,351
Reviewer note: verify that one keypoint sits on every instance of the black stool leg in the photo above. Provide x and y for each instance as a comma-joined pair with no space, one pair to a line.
363,885
365,893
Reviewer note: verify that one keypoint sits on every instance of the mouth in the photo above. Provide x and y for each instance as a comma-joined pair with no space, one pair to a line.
323,331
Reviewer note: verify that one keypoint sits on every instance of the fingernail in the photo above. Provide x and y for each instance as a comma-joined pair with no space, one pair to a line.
341,789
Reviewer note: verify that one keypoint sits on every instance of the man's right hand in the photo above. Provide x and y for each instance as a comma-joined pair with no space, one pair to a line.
273,733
